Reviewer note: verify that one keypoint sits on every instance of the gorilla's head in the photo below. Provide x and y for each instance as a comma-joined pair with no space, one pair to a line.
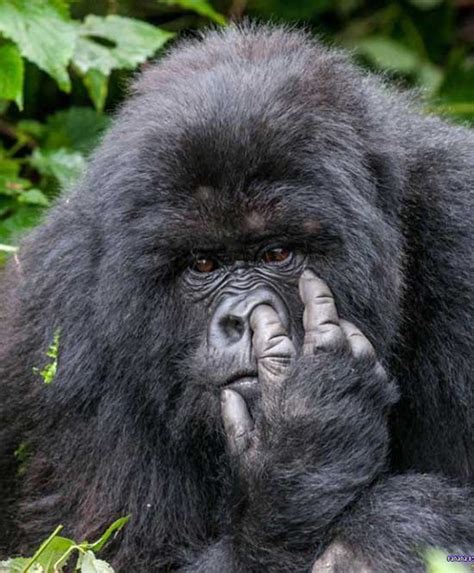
234,166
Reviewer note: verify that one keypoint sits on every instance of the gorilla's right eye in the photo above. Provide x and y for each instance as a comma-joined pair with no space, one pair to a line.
204,264
276,255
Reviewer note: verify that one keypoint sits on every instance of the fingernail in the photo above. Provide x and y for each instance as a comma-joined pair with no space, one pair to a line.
224,396
307,274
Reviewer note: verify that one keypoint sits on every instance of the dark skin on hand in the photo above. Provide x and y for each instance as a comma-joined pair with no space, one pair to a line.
275,353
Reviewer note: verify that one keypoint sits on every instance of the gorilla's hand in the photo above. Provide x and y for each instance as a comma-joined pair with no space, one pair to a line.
320,436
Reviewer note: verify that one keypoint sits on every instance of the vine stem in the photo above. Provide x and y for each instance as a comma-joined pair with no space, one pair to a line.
42,547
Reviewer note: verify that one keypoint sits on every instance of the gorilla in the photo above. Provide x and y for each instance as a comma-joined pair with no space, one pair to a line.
264,291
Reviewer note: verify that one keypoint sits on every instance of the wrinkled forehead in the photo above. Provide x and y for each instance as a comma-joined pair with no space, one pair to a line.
208,217
232,165
246,191
235,181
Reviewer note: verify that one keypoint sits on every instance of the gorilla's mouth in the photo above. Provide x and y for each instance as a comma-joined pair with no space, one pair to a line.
246,385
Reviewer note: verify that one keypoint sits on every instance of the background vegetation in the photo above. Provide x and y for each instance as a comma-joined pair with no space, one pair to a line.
64,66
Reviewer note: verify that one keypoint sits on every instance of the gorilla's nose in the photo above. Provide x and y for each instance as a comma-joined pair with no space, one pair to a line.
232,327
229,328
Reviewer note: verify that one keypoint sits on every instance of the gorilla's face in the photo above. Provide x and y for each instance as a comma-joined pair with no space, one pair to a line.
237,249
230,285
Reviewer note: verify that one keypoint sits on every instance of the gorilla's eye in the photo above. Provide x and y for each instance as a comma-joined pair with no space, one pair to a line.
203,264
276,255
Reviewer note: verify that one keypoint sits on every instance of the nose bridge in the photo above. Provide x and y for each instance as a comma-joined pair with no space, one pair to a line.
242,306
229,327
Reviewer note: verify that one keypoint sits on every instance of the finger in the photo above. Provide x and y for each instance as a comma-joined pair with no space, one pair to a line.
273,348
358,342
320,318
270,337
360,346
238,423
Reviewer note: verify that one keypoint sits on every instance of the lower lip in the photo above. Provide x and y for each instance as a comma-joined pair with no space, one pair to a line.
246,386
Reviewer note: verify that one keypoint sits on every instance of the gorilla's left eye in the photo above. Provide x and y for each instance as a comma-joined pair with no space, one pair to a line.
204,264
276,255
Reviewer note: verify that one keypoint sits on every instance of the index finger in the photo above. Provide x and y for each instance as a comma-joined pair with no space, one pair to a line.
273,349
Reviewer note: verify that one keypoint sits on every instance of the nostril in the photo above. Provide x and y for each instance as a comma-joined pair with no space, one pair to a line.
233,327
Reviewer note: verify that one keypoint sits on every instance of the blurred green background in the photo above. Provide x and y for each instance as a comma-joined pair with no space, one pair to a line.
64,66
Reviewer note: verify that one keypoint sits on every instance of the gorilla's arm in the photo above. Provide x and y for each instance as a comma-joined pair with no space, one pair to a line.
396,520
309,478
386,531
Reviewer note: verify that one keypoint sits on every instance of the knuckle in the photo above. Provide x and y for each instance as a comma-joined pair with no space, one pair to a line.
324,299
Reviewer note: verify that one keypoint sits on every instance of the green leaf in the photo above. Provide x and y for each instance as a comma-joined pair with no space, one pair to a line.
430,77
90,564
97,86
50,556
129,43
65,166
20,206
24,218
16,565
455,95
11,186
22,452
48,372
56,552
34,197
76,129
388,54
201,7
11,74
42,33
458,85
30,128
9,167
113,528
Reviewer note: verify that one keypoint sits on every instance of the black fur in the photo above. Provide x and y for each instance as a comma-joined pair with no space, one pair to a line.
379,196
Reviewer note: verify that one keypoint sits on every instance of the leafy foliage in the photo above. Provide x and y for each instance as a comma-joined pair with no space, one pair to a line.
46,35
130,42
43,34
48,372
57,552
11,79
